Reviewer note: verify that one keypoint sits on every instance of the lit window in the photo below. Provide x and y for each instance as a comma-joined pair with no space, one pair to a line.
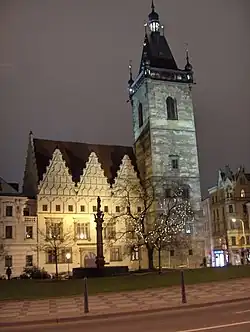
82,231
29,232
242,193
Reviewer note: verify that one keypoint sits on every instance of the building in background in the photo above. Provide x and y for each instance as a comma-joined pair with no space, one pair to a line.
230,217
208,238
18,230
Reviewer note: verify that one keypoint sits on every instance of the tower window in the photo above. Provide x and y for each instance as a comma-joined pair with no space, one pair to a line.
174,162
171,108
140,115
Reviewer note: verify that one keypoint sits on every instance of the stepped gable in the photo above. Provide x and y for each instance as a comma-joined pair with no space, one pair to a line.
76,155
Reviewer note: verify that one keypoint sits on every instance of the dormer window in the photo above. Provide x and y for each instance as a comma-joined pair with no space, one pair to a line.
172,108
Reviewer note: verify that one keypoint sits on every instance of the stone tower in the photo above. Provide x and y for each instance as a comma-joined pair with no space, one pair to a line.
163,117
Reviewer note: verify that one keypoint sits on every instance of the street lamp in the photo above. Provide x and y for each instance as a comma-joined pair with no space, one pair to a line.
243,229
68,256
243,232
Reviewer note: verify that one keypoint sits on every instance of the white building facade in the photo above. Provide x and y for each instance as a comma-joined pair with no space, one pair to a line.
18,233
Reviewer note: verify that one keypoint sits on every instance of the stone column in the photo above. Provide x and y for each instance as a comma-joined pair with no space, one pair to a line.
100,262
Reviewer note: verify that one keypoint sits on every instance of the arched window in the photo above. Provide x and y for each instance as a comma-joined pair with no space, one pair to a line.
172,108
140,115
242,193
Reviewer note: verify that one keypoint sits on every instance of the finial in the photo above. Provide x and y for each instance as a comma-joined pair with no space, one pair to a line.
188,66
153,6
130,69
187,53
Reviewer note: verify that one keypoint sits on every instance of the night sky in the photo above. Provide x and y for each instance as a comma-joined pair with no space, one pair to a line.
64,72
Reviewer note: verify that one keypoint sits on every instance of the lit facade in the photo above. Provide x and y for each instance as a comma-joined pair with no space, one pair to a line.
230,217
66,177
18,231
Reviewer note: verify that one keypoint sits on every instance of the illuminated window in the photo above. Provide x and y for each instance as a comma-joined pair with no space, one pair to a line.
242,193
154,26
29,232
82,231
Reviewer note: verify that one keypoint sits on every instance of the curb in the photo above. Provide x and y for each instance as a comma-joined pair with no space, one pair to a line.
85,317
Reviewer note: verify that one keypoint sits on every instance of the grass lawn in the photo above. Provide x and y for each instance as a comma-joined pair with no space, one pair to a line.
38,289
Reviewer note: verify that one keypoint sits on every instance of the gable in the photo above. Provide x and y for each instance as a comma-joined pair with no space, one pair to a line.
76,156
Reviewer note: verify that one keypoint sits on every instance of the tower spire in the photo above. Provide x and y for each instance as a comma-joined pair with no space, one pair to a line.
153,6
188,66
130,81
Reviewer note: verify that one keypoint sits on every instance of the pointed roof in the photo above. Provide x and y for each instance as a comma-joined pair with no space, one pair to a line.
8,188
157,52
76,155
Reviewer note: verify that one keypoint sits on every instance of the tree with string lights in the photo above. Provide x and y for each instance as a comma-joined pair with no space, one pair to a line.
160,224
172,223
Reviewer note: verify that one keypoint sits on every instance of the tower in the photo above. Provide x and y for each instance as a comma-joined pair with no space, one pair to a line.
163,117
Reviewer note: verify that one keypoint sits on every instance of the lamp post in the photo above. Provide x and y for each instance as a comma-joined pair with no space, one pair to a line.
243,232
100,261
68,256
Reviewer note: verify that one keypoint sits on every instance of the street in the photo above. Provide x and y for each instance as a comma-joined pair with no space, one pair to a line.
219,318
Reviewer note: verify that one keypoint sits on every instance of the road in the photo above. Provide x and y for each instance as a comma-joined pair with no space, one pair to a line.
219,318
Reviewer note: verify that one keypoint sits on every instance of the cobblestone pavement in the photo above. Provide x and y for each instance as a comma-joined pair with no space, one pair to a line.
110,303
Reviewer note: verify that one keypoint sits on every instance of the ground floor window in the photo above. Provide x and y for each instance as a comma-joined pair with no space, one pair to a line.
115,254
64,255
8,261
29,260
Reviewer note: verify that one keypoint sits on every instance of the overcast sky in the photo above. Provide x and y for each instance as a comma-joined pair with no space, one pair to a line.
64,72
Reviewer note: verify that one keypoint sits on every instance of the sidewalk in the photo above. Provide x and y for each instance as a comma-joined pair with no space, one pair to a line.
120,303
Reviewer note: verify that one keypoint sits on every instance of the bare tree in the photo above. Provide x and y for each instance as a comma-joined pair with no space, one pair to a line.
172,222
160,223
55,242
